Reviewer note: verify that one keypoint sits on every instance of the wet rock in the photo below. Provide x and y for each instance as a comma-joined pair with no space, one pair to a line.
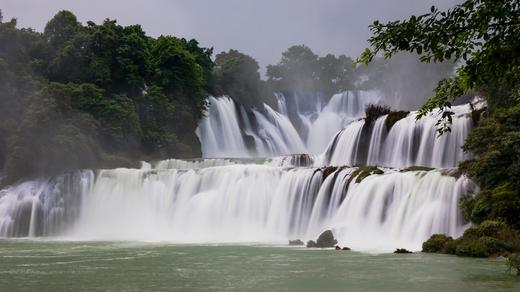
402,250
337,247
311,243
326,239
346,248
296,242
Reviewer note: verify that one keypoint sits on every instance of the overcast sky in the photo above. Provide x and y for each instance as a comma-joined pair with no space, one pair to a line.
261,28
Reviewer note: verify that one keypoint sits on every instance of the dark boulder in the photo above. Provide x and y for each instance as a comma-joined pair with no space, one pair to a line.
326,239
402,250
346,248
311,243
296,242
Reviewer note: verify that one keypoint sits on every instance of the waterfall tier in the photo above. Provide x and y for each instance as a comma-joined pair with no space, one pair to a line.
238,203
335,134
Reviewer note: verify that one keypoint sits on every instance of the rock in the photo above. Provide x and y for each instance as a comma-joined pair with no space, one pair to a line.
337,247
346,248
326,239
311,243
296,242
402,250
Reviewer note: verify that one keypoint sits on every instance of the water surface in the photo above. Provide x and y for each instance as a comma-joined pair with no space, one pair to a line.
27,265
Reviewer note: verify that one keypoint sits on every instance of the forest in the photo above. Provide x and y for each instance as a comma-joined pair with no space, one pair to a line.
104,95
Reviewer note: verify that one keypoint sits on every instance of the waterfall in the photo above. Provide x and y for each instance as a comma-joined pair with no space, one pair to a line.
238,203
407,143
269,175
45,206
295,127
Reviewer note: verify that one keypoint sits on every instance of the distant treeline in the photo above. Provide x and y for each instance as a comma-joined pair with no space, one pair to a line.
105,95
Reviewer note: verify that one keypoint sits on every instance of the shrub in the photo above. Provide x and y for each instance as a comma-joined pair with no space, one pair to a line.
490,238
436,243
374,111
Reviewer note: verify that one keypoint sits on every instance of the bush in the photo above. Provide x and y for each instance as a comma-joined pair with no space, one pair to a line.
491,238
436,243
374,111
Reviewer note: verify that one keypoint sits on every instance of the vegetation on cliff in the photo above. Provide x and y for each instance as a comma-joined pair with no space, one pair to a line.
96,95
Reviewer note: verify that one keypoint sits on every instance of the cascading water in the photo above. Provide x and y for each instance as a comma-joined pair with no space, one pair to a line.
247,203
228,126
247,198
407,143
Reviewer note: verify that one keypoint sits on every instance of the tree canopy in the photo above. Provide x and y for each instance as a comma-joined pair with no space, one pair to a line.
96,95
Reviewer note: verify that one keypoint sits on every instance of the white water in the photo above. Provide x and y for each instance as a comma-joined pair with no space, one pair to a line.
241,203
224,131
250,199
407,143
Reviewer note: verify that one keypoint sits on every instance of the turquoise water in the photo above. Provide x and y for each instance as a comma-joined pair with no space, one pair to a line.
111,266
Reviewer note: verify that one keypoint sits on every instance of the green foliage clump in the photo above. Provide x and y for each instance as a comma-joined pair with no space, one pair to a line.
436,243
417,168
490,238
364,171
237,76
496,167
374,111
302,70
96,95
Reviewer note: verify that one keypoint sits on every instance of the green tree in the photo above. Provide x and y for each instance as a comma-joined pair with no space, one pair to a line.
297,70
237,76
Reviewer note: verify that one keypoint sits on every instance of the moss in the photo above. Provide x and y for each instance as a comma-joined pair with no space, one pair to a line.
417,168
393,117
364,171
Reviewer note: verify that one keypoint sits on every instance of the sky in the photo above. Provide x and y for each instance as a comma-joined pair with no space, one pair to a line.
260,28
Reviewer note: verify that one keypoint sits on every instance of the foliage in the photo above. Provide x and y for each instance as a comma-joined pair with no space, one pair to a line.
374,111
484,34
490,238
237,76
436,243
496,167
364,171
417,168
96,96
302,70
